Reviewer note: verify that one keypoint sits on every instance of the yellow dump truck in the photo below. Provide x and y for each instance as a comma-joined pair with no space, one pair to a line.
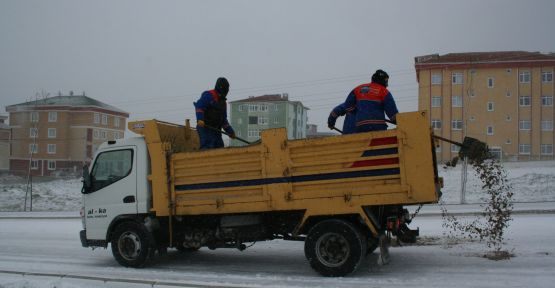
339,194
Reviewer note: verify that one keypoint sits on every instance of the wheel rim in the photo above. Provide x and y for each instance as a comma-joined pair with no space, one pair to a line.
129,246
332,249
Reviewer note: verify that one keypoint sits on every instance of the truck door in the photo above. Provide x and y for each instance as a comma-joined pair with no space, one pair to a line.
113,189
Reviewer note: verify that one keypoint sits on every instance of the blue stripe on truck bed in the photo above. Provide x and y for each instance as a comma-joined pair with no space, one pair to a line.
292,179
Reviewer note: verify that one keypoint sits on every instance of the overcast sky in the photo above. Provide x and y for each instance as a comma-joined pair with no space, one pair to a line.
154,58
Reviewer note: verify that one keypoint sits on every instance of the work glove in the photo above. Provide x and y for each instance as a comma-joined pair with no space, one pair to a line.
232,136
331,122
200,123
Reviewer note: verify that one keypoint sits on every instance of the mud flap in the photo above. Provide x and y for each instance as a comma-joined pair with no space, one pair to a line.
383,258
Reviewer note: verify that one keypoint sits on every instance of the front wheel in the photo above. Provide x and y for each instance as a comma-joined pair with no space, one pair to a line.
335,247
131,245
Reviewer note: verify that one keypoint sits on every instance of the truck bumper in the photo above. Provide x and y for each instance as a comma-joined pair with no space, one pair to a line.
89,242
83,236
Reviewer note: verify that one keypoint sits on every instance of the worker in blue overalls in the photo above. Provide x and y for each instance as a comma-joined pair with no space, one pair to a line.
211,112
371,102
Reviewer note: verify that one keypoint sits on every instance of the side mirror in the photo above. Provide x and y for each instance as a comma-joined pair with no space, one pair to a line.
86,180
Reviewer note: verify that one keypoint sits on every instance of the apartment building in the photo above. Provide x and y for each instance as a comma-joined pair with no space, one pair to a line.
4,144
502,98
250,116
57,135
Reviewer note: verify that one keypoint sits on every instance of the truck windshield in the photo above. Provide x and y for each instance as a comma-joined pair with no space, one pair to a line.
111,166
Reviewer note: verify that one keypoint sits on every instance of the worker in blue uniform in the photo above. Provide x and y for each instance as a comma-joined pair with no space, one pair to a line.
372,101
211,112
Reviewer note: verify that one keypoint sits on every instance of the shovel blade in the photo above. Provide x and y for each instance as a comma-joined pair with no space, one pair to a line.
474,149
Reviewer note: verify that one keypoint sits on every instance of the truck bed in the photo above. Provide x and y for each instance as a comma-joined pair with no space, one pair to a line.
321,176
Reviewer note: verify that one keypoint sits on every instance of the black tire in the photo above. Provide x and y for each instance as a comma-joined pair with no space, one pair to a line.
335,247
132,245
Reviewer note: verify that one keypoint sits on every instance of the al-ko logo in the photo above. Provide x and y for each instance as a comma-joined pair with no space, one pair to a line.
97,213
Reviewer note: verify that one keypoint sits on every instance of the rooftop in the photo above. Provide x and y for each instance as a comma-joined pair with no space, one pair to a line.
484,57
268,98
72,101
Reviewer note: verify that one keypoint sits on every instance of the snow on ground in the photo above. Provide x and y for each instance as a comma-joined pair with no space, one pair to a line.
48,195
532,182
52,246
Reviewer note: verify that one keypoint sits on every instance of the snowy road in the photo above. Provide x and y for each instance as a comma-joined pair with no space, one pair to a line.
52,246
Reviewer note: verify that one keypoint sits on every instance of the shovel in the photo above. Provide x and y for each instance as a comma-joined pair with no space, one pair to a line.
472,148
225,133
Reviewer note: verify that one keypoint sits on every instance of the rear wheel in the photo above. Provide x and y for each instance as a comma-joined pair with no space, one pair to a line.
132,246
335,247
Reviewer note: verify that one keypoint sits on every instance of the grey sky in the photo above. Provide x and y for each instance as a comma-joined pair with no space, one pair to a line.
154,58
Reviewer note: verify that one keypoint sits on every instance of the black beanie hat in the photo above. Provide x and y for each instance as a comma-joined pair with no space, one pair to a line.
222,86
380,77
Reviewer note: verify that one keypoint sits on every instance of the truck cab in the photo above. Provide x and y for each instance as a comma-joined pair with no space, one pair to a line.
117,188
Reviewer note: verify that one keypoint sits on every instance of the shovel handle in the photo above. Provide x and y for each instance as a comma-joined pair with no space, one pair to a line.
334,128
448,140
225,133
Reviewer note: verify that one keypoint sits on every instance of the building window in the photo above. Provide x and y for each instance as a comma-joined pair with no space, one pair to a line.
547,76
547,100
525,125
436,101
456,124
547,125
436,79
489,130
33,132
491,82
253,133
95,134
509,70
524,77
253,108
508,141
276,120
455,148
436,124
456,101
253,120
104,119
508,118
34,117
490,106
472,118
240,121
546,149
240,108
457,78
524,100
51,132
51,149
52,116
262,120
116,121
51,165
33,148
524,149
34,164
471,92
276,107
103,134
96,118
263,107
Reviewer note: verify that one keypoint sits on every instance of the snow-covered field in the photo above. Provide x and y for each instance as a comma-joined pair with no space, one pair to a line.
51,246
532,182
